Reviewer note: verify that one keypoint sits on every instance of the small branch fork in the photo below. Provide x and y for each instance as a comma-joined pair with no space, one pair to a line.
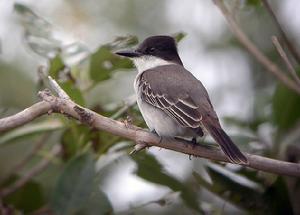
291,47
62,104
254,50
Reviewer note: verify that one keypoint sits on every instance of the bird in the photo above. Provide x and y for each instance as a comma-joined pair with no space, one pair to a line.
172,101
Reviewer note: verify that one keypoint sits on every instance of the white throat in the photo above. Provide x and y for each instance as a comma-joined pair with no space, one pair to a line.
148,62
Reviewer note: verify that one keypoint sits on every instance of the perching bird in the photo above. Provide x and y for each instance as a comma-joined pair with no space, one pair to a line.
172,101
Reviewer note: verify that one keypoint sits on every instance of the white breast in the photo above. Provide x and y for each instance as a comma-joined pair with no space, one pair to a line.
155,118
148,62
160,122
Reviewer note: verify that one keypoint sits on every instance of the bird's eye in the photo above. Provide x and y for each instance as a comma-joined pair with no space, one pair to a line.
151,50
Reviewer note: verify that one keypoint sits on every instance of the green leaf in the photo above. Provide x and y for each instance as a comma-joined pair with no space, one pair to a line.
38,34
255,3
277,197
69,144
179,36
286,111
98,203
229,188
150,169
20,8
103,62
123,42
56,65
77,191
252,174
74,139
249,195
28,198
73,91
30,129
41,37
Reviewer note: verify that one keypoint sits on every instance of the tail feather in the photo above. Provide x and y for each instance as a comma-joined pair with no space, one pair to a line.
228,147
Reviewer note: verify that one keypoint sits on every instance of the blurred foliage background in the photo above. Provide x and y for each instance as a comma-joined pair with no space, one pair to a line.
72,169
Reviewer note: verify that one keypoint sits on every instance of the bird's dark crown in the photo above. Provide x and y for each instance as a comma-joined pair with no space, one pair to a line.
160,46
163,47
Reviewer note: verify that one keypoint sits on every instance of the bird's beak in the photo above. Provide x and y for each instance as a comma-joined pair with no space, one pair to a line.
129,53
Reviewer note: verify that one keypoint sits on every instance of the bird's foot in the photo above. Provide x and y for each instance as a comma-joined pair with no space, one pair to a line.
194,142
153,131
186,144
160,137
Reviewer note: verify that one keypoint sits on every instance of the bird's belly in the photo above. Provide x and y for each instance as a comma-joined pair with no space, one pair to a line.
163,125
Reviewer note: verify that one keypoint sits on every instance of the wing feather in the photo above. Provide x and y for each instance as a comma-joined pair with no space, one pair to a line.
182,110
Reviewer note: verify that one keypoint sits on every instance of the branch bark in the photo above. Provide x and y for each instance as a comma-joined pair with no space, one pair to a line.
24,116
288,43
51,103
285,58
252,48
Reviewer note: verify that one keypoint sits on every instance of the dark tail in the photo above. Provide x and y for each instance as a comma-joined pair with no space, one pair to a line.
228,147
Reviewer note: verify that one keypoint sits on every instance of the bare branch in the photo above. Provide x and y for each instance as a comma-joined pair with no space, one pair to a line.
33,172
285,59
260,57
60,92
285,38
24,116
138,135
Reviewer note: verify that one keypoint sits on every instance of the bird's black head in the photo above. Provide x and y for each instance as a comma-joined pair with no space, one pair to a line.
163,47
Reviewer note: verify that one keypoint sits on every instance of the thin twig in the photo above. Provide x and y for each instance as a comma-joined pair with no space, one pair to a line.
285,59
285,38
61,93
30,174
260,57
96,121
42,75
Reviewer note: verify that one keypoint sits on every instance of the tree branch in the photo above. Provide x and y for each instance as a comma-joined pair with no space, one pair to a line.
67,107
260,57
285,59
285,38
24,116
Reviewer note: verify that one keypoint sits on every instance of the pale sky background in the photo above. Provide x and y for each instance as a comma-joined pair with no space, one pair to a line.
227,69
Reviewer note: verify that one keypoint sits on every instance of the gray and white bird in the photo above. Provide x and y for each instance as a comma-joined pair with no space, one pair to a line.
171,100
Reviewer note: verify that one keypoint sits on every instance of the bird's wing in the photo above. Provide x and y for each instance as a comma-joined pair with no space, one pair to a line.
178,93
